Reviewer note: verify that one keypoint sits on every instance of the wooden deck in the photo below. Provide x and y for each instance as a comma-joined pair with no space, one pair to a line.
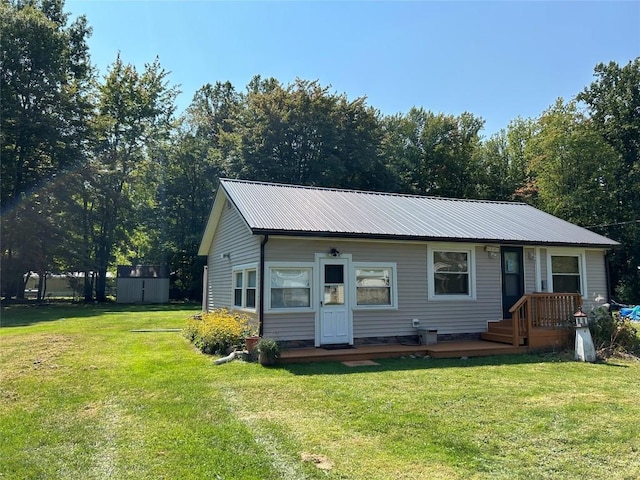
540,321
468,348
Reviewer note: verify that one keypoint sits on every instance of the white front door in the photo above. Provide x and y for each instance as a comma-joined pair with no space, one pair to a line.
335,314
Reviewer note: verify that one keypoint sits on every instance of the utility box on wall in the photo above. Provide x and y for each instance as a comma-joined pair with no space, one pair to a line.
428,336
142,284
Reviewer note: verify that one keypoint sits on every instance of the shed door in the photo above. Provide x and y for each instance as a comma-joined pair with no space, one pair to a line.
335,314
512,278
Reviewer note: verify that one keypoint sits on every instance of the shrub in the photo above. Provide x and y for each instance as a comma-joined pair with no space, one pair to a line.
190,331
613,334
217,331
268,351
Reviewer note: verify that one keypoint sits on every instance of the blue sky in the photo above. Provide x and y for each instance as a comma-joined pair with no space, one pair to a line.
497,60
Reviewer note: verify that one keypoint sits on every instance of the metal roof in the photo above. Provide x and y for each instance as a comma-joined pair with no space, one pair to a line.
270,208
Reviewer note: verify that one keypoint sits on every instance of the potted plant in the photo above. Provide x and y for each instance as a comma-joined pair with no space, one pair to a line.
251,342
268,351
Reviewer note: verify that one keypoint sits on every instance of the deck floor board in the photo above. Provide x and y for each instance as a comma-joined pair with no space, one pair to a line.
467,348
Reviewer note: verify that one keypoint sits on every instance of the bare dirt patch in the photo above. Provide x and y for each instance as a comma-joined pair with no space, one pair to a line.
8,395
320,461
360,363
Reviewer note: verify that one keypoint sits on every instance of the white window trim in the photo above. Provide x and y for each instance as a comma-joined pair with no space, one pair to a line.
268,266
453,247
568,252
394,284
244,269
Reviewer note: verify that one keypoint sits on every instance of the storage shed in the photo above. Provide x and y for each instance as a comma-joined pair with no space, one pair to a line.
142,284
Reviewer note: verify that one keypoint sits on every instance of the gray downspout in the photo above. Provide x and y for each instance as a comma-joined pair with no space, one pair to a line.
264,241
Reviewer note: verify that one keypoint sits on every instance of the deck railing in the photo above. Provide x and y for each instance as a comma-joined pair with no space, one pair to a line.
543,310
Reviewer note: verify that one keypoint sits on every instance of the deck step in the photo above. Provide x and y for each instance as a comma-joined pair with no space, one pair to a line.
507,323
500,337
499,329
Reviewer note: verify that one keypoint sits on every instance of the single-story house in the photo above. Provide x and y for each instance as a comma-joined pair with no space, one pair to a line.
321,266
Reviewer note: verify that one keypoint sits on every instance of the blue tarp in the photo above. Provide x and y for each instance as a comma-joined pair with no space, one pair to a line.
632,313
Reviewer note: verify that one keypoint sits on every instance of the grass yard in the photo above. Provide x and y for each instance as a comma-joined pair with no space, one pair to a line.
82,396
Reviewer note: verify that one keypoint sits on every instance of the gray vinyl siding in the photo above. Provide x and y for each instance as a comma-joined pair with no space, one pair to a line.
293,326
232,237
596,280
412,291
411,264
470,316
448,317
595,275
529,270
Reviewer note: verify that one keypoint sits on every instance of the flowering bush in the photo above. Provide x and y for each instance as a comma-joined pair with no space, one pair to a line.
217,331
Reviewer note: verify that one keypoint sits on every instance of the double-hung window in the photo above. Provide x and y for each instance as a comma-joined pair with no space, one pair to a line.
451,272
244,286
566,273
289,287
375,285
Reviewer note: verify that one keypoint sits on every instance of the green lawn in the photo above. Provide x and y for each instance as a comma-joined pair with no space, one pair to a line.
82,396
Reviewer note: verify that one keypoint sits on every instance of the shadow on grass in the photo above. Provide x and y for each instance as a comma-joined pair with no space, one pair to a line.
25,314
610,363
408,363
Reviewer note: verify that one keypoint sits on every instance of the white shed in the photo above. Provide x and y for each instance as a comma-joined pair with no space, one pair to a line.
142,284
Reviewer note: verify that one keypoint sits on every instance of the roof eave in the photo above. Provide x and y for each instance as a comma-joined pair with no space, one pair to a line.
212,222
414,238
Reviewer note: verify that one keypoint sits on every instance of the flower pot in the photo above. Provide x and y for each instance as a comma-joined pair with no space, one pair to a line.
251,343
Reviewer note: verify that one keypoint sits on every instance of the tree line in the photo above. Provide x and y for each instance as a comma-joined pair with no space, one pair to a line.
100,170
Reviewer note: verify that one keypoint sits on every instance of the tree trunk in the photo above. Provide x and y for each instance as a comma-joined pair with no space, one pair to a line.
41,282
88,282
103,254
10,279
88,287
101,285
21,281
16,284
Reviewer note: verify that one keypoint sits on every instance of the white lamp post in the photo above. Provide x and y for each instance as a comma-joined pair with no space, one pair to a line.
585,350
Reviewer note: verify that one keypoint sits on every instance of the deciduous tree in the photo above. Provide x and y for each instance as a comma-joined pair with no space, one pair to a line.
135,111
304,134
613,104
44,86
574,168
433,154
